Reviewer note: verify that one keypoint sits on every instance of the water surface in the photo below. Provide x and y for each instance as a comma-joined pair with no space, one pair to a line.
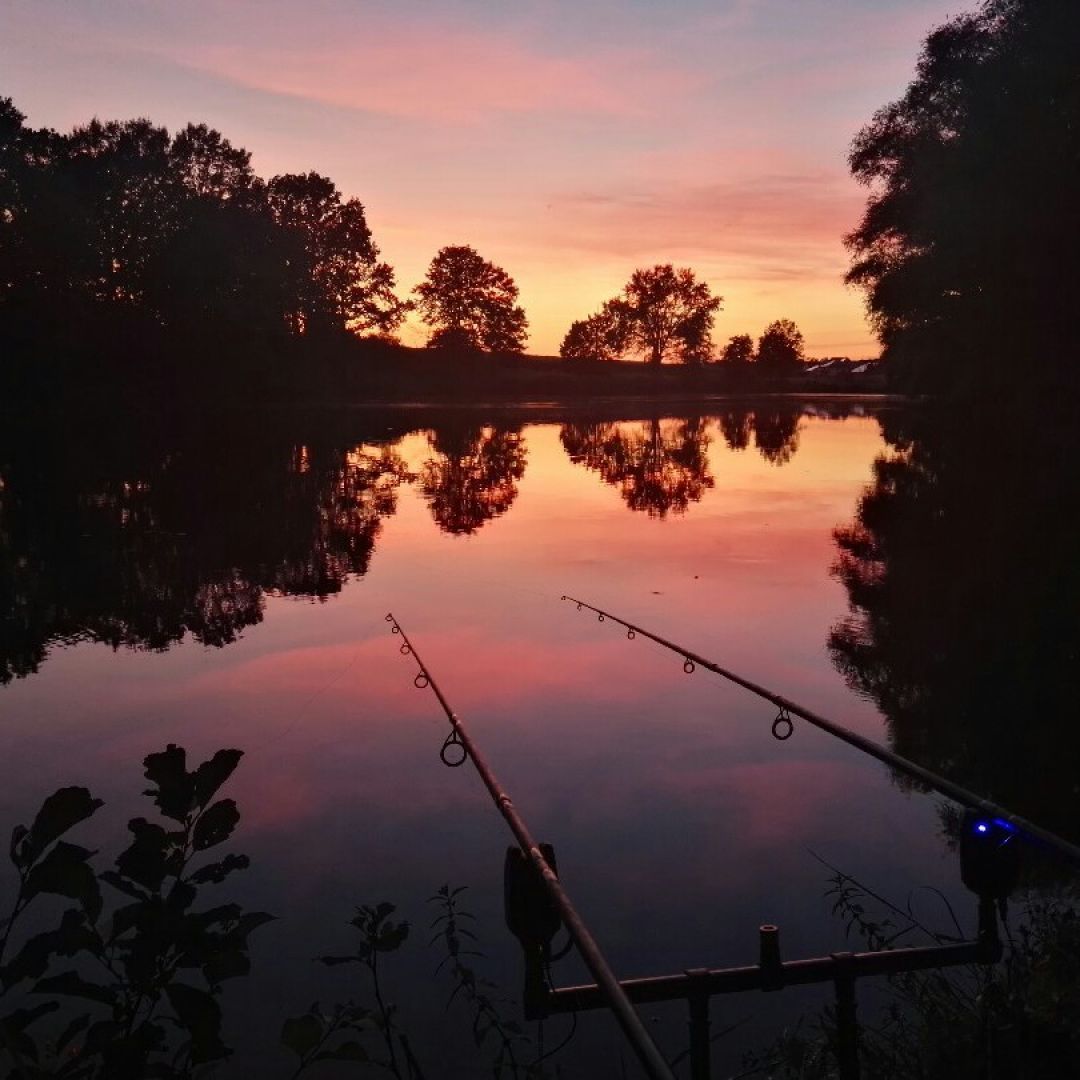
227,585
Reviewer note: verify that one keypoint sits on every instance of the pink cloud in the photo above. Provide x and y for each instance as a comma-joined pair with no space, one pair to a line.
783,226
446,75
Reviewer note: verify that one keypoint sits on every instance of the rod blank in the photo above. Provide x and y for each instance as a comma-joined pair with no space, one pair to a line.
654,1063
1062,848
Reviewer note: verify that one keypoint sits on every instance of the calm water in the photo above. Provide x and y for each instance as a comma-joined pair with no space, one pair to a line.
241,573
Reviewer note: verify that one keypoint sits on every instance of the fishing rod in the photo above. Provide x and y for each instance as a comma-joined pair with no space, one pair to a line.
783,727
460,747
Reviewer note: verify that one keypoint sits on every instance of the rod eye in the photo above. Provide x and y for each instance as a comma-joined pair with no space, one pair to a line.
688,666
630,635
405,650
782,727
453,752
421,682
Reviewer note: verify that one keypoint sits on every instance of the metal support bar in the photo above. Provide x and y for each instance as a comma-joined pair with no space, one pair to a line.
736,980
608,988
700,1043
1055,843
847,1024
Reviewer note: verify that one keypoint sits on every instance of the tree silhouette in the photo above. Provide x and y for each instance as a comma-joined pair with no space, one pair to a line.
471,304
146,243
473,476
350,288
739,351
210,167
659,467
596,338
666,314
780,347
967,255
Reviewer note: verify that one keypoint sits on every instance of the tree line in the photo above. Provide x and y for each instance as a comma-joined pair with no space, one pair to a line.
665,314
179,229
121,232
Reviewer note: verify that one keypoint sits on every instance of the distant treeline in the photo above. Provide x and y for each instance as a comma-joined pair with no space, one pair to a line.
136,261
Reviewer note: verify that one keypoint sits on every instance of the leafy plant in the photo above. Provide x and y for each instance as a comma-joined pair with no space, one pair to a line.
480,994
313,1036
152,968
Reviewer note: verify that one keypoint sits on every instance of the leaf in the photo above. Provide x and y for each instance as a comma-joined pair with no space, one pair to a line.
73,985
80,1023
210,775
215,873
226,964
64,872
215,825
347,1051
32,960
252,920
18,834
146,861
62,810
13,1029
301,1034
200,1014
175,791
111,877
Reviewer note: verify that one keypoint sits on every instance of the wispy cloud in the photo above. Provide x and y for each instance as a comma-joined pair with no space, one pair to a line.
775,226
449,76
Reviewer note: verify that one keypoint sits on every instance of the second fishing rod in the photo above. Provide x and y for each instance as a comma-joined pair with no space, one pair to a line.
782,729
457,749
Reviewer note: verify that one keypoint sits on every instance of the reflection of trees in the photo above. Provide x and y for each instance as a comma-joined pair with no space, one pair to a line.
142,545
776,434
736,425
659,466
964,588
473,475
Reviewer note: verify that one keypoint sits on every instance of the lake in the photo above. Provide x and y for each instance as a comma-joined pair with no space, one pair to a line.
224,583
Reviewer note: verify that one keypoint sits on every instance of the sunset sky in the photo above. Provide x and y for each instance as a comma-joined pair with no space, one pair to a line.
569,141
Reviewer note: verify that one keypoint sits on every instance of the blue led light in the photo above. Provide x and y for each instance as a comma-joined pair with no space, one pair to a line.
981,827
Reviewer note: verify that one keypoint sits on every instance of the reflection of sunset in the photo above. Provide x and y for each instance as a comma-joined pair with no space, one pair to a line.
645,778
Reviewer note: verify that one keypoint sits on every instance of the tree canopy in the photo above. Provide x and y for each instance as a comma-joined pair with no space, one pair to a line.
120,215
780,347
665,313
968,247
738,350
471,303
596,338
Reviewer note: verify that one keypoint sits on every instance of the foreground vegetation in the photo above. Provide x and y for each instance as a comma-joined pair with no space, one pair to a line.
126,981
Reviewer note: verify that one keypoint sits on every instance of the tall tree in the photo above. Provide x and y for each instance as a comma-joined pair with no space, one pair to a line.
471,303
780,348
667,314
350,288
968,253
